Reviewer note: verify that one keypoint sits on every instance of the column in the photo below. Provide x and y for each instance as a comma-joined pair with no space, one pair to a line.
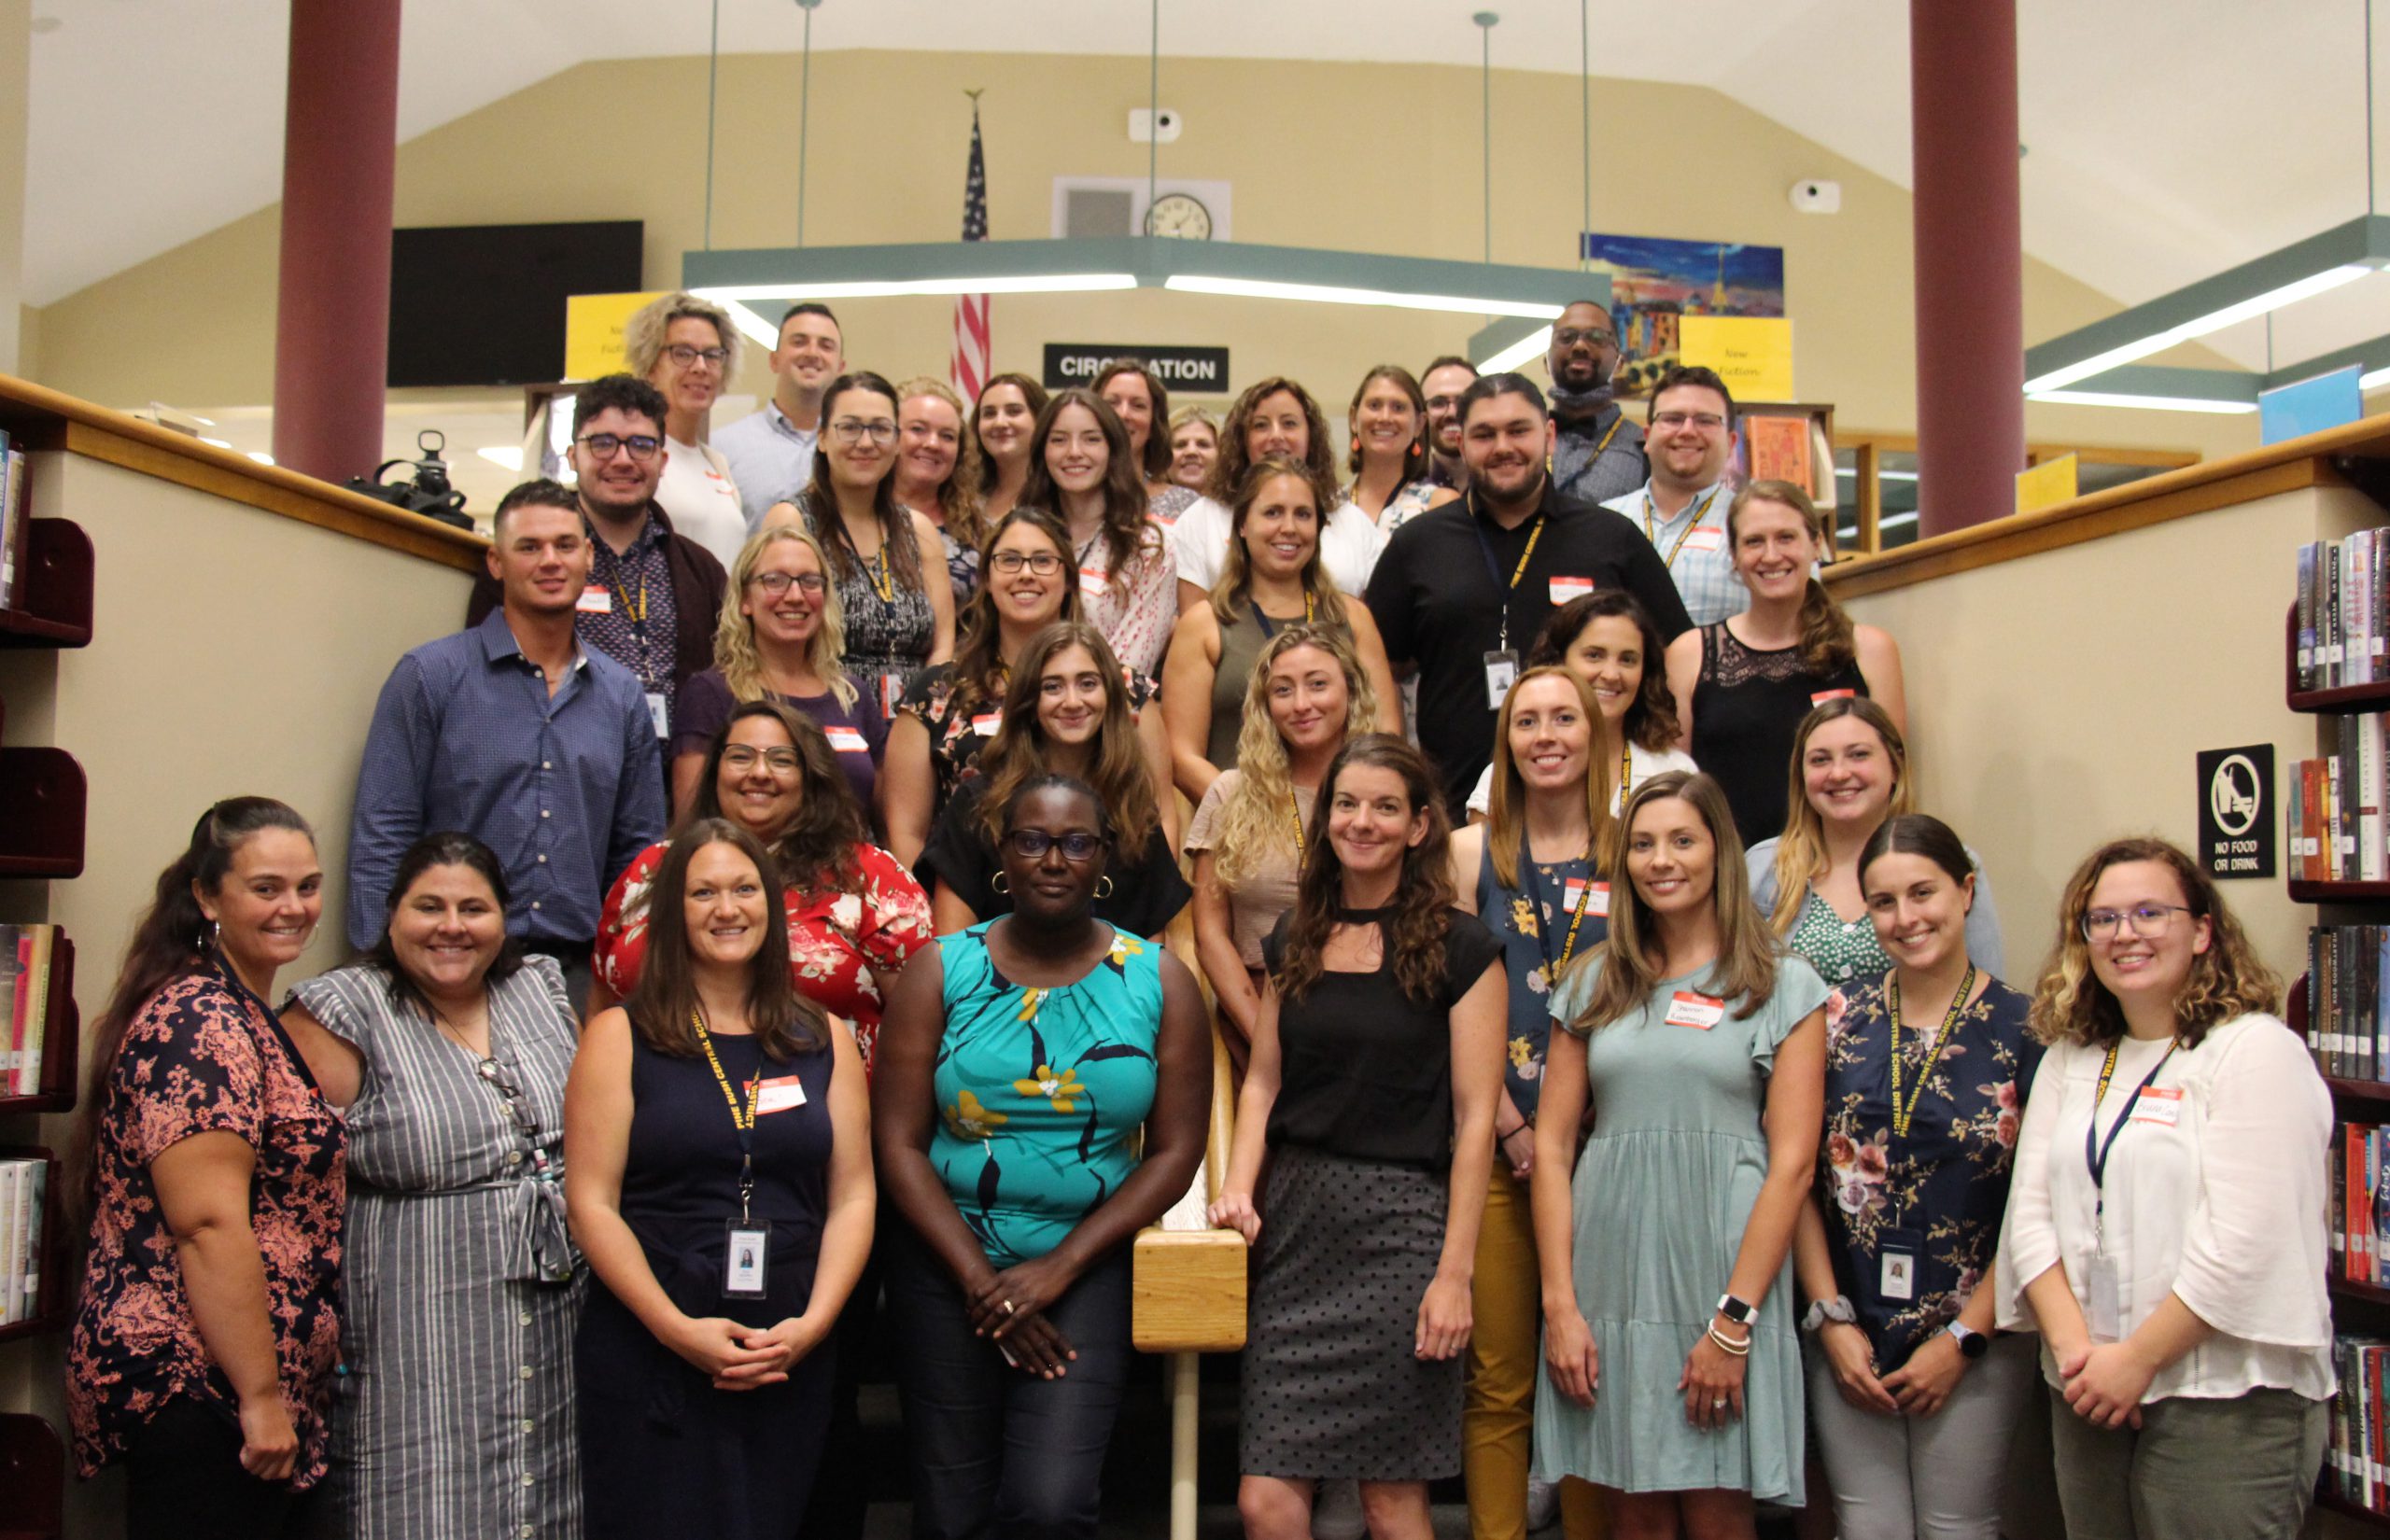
339,160
16,70
1970,260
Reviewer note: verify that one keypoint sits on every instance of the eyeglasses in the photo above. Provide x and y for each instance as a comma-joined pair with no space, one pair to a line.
1044,563
683,355
1571,337
602,447
741,758
1031,844
512,1095
2141,919
848,431
777,583
1708,422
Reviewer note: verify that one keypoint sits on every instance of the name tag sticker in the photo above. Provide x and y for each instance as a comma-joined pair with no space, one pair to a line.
1698,1012
845,740
1093,581
2159,1104
1824,695
985,723
778,1095
1599,903
1565,589
596,600
1705,539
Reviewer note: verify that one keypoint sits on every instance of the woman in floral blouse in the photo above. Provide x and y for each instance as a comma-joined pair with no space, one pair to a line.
854,915
1927,1066
204,1345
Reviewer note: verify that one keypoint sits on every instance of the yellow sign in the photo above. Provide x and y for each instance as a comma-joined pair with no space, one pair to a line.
593,332
1752,354
2046,485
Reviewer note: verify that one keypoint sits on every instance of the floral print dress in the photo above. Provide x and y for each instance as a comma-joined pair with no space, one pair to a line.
1533,922
1941,1190
1041,1091
835,935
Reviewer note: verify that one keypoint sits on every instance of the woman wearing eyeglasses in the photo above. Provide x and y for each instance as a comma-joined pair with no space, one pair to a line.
2166,1223
687,348
782,638
448,1049
1021,1057
896,604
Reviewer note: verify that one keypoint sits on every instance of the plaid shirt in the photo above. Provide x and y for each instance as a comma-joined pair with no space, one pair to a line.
1695,546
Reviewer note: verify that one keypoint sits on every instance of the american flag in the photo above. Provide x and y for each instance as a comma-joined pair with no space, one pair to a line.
972,344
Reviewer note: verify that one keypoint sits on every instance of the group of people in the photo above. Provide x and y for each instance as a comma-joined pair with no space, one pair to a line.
759,924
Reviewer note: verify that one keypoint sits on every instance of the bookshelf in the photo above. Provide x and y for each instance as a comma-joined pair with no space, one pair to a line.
50,1307
33,1472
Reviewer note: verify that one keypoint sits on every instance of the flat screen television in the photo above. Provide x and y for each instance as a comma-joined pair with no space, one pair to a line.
483,304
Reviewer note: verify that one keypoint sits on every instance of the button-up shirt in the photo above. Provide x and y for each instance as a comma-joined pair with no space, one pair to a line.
770,459
639,623
566,789
1601,460
1693,543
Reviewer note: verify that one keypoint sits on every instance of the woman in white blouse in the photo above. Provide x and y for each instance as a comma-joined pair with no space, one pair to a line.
2165,1230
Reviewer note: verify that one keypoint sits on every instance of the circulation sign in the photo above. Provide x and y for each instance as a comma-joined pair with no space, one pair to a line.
2238,829
1195,371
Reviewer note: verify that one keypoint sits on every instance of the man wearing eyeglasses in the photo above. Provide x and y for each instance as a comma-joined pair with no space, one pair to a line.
772,453
653,595
1599,454
1682,509
1442,384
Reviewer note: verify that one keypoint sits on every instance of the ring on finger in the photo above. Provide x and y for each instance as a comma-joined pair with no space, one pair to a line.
1006,1304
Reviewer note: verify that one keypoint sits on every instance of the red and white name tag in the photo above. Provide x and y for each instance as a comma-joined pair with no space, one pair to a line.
1698,1012
1705,539
1821,697
985,723
596,600
1093,581
2159,1104
778,1095
846,740
1565,589
1574,892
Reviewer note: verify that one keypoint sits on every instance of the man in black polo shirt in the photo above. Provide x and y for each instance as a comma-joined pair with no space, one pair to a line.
1461,592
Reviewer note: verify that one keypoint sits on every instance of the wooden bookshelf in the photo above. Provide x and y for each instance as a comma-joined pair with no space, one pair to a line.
62,1042
2332,1502
57,600
47,797
49,1308
33,1472
2374,1091
2338,892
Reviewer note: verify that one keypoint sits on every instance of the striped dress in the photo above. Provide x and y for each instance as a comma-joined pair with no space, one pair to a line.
454,1416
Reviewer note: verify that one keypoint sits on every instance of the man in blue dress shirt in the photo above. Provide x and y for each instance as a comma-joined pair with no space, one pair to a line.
514,734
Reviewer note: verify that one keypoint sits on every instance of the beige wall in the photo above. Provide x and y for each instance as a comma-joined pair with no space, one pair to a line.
234,651
1316,153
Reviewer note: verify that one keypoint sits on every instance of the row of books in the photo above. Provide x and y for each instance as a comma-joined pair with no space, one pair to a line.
2332,806
24,1187
2348,983
2357,1469
2344,610
2360,1203
14,515
27,969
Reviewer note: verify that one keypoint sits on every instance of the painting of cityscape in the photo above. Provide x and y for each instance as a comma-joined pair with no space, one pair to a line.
1653,281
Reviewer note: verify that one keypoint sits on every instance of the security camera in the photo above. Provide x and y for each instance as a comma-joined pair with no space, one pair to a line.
1816,197
1146,126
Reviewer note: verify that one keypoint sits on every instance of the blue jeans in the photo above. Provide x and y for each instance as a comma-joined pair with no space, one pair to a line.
996,1454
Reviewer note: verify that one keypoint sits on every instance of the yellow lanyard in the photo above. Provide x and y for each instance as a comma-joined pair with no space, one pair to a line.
741,1118
882,585
1625,768
1295,817
1615,423
1584,900
1901,1112
1653,535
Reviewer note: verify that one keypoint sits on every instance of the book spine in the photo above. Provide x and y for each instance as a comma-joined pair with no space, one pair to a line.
2303,599
34,988
36,1227
2367,730
19,515
11,1217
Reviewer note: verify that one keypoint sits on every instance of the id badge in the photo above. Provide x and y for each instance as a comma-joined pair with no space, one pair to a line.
2103,1303
1501,670
659,712
1897,1253
745,1261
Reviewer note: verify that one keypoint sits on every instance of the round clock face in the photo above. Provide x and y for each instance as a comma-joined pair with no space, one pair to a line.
1178,215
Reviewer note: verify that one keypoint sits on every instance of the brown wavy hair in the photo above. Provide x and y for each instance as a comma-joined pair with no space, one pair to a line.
1507,810
1253,814
818,501
1829,640
957,495
1128,534
1228,467
1748,955
1019,750
1030,392
2228,980
1414,459
1651,720
1801,849
1326,605
663,1004
1157,457
980,668
816,852
1422,896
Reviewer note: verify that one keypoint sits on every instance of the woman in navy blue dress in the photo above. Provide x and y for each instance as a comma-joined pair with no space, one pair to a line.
718,1177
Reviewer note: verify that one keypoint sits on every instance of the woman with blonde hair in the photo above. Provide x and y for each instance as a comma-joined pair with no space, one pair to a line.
781,638
687,348
1702,1047
1307,696
1848,777
1274,565
2165,1220
1194,444
1746,682
937,473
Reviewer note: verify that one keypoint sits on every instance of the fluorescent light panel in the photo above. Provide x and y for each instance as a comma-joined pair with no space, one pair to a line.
1264,288
754,326
1533,346
2148,403
2274,299
2373,378
508,456
1043,283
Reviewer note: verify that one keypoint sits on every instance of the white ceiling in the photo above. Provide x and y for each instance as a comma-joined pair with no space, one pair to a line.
2168,138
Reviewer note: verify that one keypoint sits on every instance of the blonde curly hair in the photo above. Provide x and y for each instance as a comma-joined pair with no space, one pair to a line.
1252,815
734,634
643,334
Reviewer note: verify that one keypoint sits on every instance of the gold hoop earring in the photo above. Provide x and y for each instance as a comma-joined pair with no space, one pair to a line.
1104,886
999,886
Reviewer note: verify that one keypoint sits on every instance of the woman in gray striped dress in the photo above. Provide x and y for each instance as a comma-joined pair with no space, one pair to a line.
449,1050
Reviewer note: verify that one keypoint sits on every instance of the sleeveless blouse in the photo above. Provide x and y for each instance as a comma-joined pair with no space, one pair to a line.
889,635
1746,707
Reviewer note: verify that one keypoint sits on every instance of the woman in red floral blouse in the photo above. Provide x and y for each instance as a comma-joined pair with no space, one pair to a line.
208,1328
854,915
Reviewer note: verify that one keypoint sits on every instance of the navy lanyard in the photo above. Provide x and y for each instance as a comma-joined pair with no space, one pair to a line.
2095,1149
1494,569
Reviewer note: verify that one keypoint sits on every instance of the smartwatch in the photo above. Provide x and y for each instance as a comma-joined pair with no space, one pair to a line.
1736,1310
1972,1344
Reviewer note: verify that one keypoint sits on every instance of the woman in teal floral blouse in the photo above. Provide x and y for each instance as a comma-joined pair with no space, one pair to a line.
1927,1066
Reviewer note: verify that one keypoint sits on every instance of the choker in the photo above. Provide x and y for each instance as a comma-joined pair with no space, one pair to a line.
1362,917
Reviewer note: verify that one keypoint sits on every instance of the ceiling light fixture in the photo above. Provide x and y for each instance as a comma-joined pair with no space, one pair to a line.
2151,403
1533,346
506,457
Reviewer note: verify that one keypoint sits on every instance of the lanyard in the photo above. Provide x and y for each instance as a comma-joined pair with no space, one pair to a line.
1269,627
1295,817
637,614
1700,510
1626,768
1494,569
743,1119
1553,968
1615,423
2095,1149
882,583
1902,1113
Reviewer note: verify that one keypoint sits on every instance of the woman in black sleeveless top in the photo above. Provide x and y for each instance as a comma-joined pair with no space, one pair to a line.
1752,677
719,1179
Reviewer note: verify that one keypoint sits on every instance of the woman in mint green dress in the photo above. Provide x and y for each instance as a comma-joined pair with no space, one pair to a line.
1675,1382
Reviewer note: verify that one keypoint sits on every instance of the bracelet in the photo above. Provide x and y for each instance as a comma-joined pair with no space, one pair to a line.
1822,1311
1727,1344
1499,1135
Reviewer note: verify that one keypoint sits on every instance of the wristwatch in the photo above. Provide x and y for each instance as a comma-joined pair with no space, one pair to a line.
1736,1310
1972,1344
1822,1311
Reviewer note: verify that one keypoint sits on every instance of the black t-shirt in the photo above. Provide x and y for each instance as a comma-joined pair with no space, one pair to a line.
1440,603
1148,891
1366,1070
